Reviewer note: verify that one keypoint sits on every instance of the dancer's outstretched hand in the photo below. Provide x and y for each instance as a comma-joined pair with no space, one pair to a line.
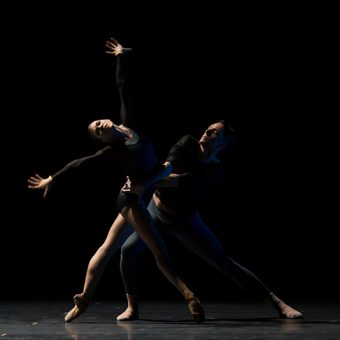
114,47
37,182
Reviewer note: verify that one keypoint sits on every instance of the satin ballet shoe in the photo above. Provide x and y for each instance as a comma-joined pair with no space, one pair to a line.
196,310
80,305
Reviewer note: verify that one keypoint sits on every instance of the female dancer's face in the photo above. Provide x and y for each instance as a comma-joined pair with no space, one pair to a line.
103,130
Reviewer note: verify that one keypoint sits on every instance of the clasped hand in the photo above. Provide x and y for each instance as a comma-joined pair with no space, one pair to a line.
133,188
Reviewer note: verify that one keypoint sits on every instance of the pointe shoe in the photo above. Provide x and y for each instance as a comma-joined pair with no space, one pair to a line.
81,304
196,309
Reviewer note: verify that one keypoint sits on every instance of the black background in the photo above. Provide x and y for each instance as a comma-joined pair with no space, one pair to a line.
270,72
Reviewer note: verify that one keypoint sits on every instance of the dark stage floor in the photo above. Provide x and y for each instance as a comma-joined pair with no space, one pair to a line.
167,320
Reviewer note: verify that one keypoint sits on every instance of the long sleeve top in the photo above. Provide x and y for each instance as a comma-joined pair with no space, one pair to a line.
137,160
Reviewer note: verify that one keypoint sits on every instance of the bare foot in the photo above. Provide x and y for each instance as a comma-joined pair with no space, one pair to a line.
288,312
285,311
128,315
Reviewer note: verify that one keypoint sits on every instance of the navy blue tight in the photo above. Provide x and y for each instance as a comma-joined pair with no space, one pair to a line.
194,234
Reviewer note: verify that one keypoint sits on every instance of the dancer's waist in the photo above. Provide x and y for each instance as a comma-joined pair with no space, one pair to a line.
160,205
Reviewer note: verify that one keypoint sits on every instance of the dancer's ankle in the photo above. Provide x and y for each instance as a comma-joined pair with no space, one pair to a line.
86,296
133,301
188,295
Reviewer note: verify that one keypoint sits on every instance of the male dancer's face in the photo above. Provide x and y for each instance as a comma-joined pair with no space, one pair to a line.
213,136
